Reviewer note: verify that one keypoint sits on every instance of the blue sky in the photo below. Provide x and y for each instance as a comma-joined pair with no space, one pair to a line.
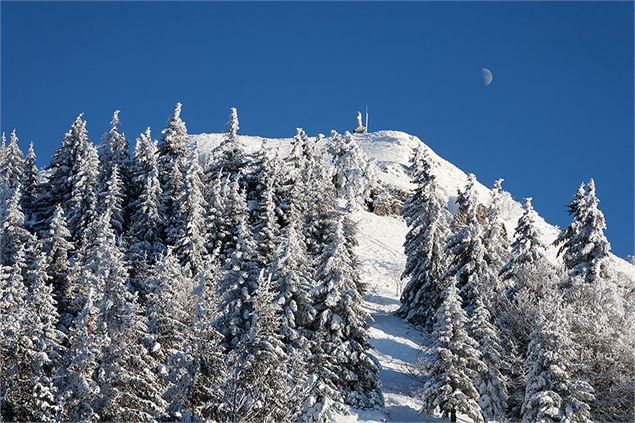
560,109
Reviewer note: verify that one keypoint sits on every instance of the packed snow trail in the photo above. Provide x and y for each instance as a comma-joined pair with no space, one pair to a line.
397,345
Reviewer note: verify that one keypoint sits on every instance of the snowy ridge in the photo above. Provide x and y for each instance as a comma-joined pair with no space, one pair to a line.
396,344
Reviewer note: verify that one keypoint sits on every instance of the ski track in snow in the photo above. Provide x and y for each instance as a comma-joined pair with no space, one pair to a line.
397,345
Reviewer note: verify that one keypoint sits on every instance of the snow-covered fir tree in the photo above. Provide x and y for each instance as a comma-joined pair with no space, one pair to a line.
57,246
190,222
13,235
551,394
113,154
355,174
490,383
341,317
29,186
12,165
583,246
291,273
229,157
424,246
146,222
112,200
171,163
465,247
266,227
453,364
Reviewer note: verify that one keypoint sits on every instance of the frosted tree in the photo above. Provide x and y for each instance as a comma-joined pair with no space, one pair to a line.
453,363
29,186
215,217
257,388
496,245
425,248
490,383
198,372
170,307
12,165
468,266
46,347
113,153
72,182
237,212
57,246
551,395
13,235
293,283
267,228
229,157
112,200
583,246
191,230
171,163
341,317
355,174
238,286
82,204
146,222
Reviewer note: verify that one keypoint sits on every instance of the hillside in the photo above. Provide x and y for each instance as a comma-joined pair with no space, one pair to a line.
397,345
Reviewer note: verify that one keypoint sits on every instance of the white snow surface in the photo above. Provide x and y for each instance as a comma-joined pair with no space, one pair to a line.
396,344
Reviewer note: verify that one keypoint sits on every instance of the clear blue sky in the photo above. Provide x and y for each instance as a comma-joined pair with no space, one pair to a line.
560,109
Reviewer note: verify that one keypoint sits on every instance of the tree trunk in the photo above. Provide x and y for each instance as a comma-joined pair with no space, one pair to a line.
453,416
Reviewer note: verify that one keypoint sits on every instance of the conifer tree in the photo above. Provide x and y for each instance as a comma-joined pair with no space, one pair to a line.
80,390
342,319
293,283
229,157
583,245
13,235
12,170
490,383
171,163
57,246
112,201
190,244
29,186
426,263
114,154
82,204
453,363
146,223
551,395
266,227
355,174
467,254
216,219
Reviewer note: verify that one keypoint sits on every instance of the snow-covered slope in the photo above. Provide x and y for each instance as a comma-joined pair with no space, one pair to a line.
396,344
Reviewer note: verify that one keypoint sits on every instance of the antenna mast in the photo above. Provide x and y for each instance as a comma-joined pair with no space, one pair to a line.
367,118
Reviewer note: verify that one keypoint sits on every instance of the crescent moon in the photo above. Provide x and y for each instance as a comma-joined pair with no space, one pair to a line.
488,76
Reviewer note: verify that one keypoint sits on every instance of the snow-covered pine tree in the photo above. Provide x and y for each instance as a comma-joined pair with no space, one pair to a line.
490,383
355,174
292,283
57,246
46,346
79,389
199,371
467,253
496,245
584,247
426,263
29,186
258,384
72,182
82,204
112,200
551,395
238,286
228,157
237,214
453,363
215,216
171,163
114,154
266,227
12,169
341,317
146,223
13,235
190,229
